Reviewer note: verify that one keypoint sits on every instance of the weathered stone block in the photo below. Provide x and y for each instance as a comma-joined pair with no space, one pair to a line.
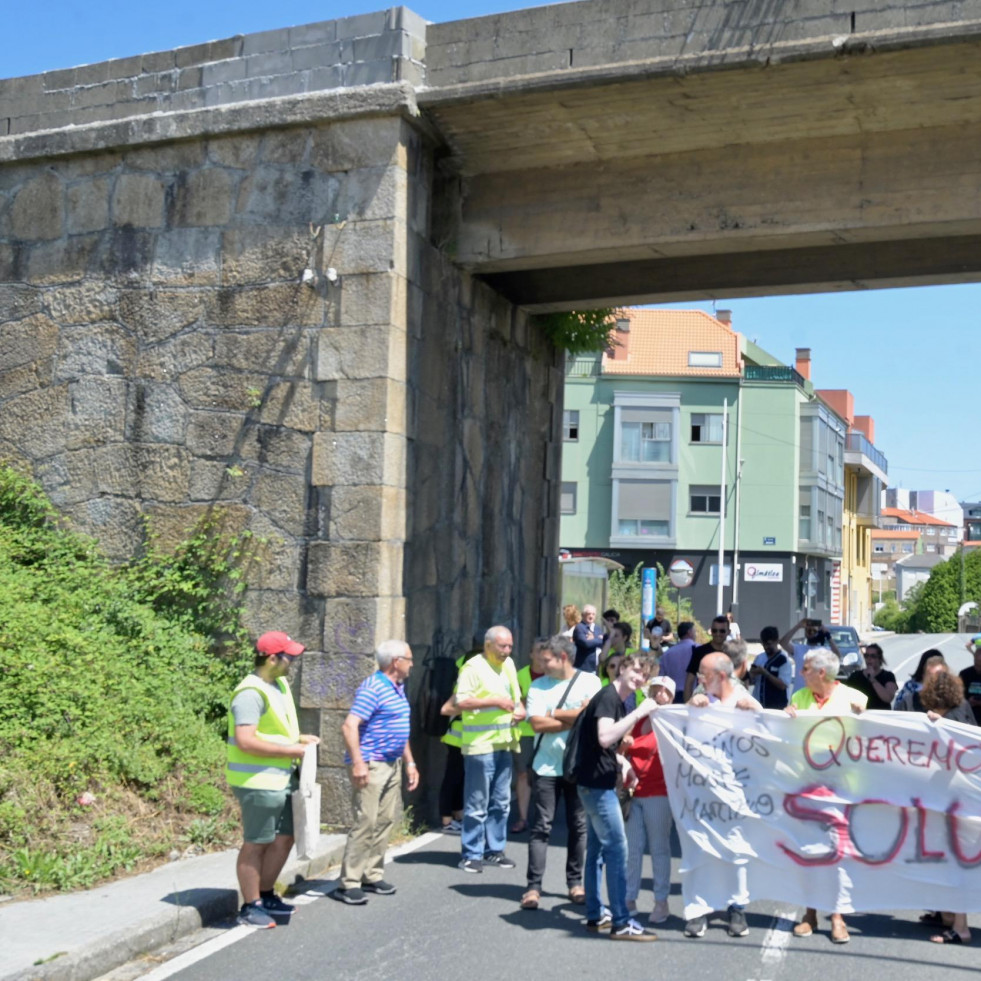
87,303
337,800
295,405
95,415
367,246
330,680
372,298
18,301
115,522
24,342
172,523
370,404
374,192
138,200
167,157
25,378
38,211
356,143
155,413
285,194
282,352
91,164
238,152
98,349
330,752
222,71
358,458
163,473
62,261
320,79
277,561
278,305
214,434
154,315
301,617
360,352
187,257
354,568
215,480
316,56
262,254
367,513
276,447
88,206
202,198
325,30
168,360
211,388
283,498
350,627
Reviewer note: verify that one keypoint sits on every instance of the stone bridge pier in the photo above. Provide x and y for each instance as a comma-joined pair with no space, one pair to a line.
219,290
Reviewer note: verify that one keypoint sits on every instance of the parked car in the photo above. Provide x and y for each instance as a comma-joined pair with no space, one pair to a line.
851,649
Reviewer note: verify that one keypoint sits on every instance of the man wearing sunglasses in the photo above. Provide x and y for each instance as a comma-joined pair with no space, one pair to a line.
719,630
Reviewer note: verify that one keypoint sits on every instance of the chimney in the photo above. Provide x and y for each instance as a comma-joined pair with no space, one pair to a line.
724,317
619,350
803,364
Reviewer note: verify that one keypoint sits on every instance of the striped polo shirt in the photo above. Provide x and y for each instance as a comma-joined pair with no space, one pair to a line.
384,710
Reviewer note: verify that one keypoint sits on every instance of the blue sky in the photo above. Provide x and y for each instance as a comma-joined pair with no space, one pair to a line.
912,358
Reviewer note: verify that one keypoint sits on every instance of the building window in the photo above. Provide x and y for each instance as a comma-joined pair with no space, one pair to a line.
879,549
705,500
570,425
567,504
804,517
907,548
642,509
931,548
645,442
643,527
706,427
704,359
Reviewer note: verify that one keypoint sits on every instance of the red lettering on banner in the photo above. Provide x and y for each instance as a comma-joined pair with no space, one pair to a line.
829,818
965,861
890,853
923,854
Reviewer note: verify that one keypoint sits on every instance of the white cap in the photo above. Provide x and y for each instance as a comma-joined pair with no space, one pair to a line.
665,682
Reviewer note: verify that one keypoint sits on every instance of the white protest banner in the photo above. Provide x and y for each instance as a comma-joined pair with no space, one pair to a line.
870,812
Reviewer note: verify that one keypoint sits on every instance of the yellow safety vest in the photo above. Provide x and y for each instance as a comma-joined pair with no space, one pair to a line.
454,735
488,729
524,683
263,772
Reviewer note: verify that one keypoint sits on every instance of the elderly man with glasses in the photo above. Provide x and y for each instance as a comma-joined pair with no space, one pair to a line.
376,734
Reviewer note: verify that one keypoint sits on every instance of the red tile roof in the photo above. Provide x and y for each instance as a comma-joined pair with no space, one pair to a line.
886,533
914,517
660,340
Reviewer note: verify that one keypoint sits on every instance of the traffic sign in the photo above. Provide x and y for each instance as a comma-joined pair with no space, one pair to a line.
681,573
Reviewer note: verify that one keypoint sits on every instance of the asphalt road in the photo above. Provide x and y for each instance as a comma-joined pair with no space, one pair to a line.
443,923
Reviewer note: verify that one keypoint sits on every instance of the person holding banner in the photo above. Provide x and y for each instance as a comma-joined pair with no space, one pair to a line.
825,694
604,724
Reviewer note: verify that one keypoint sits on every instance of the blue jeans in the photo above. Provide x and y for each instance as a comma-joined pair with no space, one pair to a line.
606,844
486,803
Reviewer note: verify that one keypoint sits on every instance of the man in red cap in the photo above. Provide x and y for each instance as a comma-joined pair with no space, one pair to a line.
264,745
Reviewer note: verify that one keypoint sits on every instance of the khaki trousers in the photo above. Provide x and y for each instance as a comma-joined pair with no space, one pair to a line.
374,813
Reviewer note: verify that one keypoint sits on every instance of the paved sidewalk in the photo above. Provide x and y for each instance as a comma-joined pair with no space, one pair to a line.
80,936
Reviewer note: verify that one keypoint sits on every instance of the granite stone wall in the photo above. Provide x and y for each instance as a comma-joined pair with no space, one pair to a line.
257,322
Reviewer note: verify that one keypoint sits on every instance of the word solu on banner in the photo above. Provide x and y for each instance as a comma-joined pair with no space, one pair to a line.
877,811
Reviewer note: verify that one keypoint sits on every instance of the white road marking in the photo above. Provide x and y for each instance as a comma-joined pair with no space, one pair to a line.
211,947
774,946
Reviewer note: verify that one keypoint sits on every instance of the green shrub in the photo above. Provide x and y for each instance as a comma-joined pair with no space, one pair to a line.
114,683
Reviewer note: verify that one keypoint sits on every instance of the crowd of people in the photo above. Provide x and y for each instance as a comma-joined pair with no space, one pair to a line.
571,728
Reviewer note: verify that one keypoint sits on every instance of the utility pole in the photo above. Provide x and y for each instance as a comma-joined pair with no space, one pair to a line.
722,509
735,527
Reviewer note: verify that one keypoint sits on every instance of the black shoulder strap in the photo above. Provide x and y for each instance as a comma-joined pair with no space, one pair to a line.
565,695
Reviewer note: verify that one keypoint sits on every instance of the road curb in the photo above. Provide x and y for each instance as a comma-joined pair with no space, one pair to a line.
203,907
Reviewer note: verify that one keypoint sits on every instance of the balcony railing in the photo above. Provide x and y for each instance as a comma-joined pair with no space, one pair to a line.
582,367
772,373
857,443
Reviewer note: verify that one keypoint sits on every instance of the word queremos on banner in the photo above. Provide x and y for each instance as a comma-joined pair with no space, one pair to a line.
869,812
